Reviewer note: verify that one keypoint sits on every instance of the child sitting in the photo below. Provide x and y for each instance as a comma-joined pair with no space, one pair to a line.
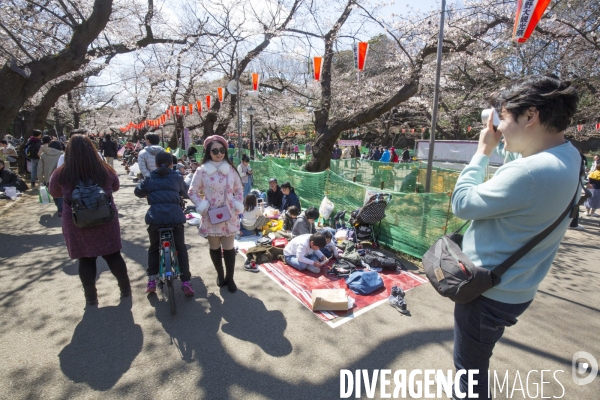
305,222
253,218
164,189
330,249
303,252
289,218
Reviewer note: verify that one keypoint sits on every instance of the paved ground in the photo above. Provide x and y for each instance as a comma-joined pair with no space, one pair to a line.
258,343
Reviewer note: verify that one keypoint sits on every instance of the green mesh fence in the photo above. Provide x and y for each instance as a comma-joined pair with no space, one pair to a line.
414,220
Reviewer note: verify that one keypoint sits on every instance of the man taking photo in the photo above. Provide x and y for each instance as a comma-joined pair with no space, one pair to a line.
520,201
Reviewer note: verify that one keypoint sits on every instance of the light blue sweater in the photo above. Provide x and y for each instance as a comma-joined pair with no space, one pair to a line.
524,197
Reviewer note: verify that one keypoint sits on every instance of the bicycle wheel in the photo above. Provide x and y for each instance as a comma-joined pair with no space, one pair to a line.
171,291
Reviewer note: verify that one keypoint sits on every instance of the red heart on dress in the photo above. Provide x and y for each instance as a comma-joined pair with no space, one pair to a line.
219,216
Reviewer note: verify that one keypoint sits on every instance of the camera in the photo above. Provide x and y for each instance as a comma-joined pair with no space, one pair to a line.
485,114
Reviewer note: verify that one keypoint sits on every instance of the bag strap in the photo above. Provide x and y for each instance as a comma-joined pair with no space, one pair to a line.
502,268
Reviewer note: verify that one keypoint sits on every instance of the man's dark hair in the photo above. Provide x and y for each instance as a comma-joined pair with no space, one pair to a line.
312,213
107,136
327,235
37,133
555,100
153,138
245,158
55,145
318,240
46,139
293,211
4,142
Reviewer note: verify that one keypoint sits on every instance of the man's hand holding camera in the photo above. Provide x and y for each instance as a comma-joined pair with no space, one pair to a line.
489,137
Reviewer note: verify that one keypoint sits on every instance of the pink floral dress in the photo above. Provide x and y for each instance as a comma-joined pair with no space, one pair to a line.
221,185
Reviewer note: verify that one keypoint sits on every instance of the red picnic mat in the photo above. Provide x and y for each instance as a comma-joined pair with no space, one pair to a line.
301,283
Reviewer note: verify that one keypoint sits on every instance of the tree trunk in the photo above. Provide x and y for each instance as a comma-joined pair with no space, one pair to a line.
37,120
15,89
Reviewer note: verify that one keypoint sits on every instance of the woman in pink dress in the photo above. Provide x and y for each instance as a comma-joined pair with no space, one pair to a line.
217,192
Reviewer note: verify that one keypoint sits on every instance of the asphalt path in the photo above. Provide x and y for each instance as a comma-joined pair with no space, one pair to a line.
258,343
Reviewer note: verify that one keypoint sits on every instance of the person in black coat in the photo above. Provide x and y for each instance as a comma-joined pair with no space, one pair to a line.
10,179
164,189
289,197
274,194
110,149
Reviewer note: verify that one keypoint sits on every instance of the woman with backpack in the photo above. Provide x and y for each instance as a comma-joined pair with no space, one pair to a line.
83,165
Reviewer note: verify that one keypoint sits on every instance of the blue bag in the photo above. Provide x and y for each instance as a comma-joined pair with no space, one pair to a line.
364,282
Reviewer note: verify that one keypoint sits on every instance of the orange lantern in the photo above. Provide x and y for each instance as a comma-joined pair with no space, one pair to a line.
220,94
528,15
255,81
403,130
317,62
468,129
172,109
208,100
363,48
579,128
199,106
412,130
190,108
422,130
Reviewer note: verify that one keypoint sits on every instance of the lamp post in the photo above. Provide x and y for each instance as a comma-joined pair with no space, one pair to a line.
251,110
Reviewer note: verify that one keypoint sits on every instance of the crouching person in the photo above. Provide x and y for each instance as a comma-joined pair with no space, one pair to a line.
303,252
330,249
164,189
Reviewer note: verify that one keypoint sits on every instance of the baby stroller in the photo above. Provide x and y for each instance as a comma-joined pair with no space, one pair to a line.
363,220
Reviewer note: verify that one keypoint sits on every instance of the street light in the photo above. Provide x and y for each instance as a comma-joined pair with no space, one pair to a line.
251,110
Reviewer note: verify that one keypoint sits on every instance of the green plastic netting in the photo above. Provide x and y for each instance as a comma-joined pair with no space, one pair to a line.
414,220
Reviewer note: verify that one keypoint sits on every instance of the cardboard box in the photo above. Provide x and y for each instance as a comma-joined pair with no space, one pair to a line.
329,300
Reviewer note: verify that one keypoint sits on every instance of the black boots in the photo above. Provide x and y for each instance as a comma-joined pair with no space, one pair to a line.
125,287
215,256
229,256
91,295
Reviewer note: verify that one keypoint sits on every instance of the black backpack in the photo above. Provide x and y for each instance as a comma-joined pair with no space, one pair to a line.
91,206
376,259
342,268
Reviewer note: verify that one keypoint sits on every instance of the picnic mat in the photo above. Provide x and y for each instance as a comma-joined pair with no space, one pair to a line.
299,284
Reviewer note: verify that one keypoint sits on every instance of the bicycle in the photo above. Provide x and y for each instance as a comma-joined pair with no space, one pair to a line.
169,265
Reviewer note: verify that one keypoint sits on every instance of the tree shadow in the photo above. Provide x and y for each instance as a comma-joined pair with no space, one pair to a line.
50,220
104,345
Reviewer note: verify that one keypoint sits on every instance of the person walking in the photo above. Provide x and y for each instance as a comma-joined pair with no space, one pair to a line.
83,164
48,163
593,203
32,147
219,181
109,148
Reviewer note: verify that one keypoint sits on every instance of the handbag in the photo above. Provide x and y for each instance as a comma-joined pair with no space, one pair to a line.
220,214
454,276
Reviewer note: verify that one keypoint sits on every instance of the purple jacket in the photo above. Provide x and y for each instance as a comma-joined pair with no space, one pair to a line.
90,242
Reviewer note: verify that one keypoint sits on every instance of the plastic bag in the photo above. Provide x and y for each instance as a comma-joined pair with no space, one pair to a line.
326,208
11,192
135,169
44,195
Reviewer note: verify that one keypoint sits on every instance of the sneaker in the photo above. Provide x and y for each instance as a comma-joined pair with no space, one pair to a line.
251,266
397,291
187,289
314,269
151,287
577,228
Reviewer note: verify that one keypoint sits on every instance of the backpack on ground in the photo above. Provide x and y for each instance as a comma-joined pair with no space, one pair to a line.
263,254
91,206
264,241
375,259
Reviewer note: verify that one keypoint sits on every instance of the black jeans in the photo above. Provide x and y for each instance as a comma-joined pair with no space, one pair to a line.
87,268
478,325
182,253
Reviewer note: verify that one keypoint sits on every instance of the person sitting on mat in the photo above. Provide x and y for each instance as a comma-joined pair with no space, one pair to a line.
290,217
303,252
253,218
330,249
289,197
306,222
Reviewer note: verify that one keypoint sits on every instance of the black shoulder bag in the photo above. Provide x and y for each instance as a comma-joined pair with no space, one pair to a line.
453,275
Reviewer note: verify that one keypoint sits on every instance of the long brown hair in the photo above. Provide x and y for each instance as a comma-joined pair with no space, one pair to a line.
82,163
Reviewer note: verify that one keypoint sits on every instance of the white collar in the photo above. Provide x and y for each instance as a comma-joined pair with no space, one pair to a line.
211,167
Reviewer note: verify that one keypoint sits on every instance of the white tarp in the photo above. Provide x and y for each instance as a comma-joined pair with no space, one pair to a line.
458,151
